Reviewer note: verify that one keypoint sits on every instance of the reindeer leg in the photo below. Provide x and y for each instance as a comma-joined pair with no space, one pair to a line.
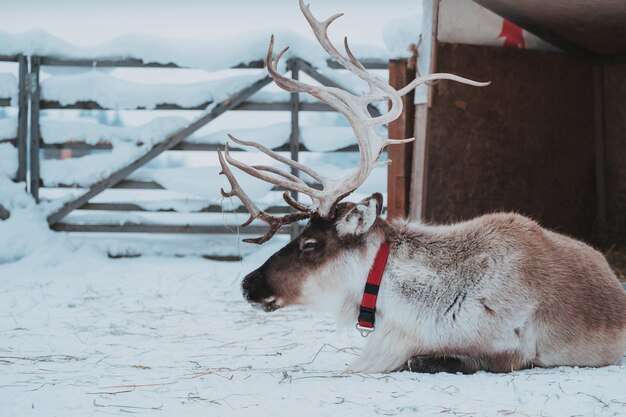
435,364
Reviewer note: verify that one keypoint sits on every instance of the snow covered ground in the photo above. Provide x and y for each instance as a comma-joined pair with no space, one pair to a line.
162,334
82,334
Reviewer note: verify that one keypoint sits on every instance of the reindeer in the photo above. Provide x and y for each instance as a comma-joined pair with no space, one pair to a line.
497,293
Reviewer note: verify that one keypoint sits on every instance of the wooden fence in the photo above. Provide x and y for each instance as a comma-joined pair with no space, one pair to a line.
239,101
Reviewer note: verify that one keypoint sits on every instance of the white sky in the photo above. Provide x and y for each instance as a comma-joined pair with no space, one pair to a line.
86,22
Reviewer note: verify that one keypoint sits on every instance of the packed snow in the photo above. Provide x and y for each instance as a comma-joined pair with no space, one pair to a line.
271,136
86,334
8,86
114,93
210,55
60,131
314,138
8,128
400,33
89,169
8,160
164,331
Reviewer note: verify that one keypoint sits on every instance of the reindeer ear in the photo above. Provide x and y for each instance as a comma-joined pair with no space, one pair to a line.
360,218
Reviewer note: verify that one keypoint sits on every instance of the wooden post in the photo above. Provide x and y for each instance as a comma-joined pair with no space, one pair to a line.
22,119
294,138
34,89
4,213
401,73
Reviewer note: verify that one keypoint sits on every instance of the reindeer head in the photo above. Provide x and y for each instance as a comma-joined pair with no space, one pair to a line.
317,267
338,235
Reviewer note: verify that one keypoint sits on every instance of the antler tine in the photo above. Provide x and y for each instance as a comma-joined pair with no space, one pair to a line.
281,182
320,29
358,63
286,83
279,172
370,141
236,190
274,222
440,76
293,203
288,161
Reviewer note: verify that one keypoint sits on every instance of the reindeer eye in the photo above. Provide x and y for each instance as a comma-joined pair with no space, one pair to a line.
310,244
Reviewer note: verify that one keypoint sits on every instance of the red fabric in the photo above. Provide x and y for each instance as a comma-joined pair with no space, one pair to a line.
369,300
513,35
374,278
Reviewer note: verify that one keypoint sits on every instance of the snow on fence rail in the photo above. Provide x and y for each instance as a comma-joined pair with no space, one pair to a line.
113,158
135,50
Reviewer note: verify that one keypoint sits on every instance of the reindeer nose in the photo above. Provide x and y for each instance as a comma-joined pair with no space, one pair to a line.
255,287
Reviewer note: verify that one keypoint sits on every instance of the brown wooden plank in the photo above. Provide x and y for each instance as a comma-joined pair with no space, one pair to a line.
245,106
9,58
213,208
92,105
157,228
368,63
35,135
284,106
401,73
124,184
233,258
127,63
22,119
92,63
82,146
173,140
138,185
294,137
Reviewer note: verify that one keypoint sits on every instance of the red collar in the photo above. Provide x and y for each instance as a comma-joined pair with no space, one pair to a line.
367,310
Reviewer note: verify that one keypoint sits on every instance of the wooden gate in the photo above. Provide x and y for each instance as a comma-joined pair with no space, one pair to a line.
238,101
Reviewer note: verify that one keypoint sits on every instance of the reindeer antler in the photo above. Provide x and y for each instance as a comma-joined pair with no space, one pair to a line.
274,222
354,107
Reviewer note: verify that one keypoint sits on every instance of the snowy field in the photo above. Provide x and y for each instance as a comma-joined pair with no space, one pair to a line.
83,334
